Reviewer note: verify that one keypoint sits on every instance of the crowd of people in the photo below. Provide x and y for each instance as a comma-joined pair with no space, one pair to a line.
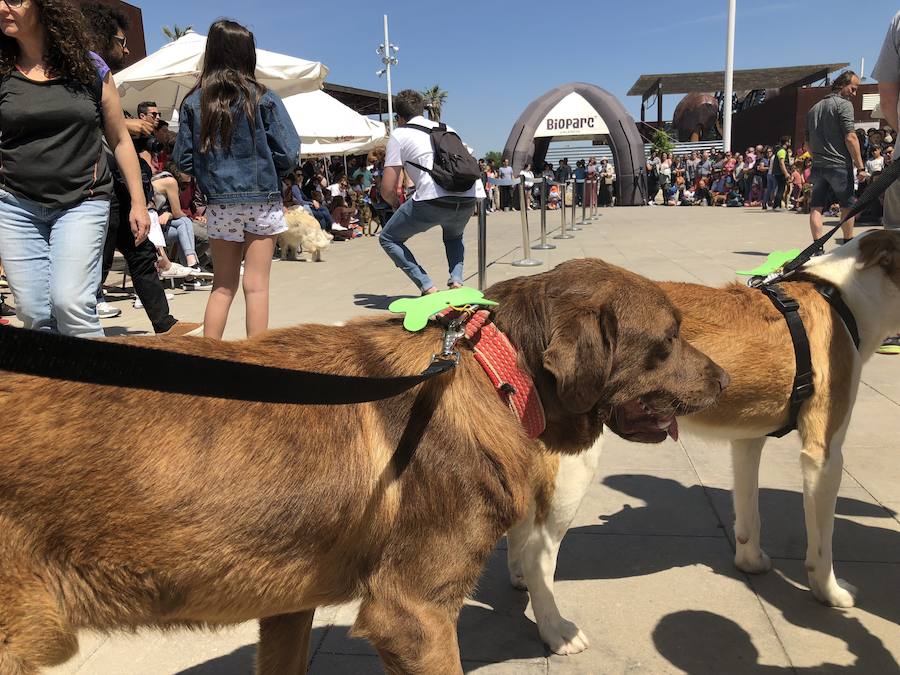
765,176
590,181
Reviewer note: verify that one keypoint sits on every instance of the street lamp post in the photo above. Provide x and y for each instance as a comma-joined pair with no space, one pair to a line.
729,78
388,54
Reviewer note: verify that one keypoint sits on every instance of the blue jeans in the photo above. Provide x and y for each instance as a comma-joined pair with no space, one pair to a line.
53,261
182,231
414,217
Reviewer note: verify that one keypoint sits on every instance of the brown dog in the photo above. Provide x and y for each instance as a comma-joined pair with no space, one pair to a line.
237,515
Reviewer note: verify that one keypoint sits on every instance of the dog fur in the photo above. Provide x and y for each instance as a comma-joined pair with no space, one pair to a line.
261,511
303,234
742,331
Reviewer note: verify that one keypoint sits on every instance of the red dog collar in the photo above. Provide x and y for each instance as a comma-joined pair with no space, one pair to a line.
497,356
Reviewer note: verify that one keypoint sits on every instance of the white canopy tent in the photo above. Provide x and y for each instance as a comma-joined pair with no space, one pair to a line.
328,127
166,75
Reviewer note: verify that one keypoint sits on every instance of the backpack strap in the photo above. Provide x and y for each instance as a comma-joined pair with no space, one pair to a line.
427,130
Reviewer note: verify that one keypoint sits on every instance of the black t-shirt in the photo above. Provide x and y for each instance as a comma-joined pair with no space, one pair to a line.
50,141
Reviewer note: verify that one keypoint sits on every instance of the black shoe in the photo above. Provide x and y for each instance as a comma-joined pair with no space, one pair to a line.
764,207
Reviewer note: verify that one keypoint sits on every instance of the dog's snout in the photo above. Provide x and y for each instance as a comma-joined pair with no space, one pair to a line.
722,378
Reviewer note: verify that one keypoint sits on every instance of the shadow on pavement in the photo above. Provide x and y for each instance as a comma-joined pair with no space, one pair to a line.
375,301
680,637
685,637
759,253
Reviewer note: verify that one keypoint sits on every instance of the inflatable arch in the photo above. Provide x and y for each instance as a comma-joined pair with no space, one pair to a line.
576,111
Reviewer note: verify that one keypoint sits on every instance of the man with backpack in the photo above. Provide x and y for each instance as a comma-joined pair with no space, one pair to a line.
447,179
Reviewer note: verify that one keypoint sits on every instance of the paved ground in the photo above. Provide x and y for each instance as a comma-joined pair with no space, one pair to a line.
646,570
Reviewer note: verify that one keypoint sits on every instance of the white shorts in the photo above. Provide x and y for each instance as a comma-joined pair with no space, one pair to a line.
230,221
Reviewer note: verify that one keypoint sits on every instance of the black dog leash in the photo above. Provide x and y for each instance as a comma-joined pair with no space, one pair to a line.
59,357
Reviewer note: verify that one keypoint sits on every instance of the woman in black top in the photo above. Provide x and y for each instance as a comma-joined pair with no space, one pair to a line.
56,102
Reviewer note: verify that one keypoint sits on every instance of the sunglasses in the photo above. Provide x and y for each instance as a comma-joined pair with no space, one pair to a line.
14,3
123,41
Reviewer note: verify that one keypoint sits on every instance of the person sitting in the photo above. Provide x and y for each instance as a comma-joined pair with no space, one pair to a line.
176,225
702,195
341,214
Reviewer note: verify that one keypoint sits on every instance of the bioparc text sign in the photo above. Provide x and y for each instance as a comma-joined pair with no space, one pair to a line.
573,116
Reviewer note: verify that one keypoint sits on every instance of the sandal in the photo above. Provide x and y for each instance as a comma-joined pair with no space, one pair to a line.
891,346
453,285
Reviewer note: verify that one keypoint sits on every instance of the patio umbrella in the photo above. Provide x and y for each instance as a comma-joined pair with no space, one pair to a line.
328,127
166,75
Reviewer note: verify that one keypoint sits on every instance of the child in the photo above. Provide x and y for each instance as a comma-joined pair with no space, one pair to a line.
553,197
797,184
238,141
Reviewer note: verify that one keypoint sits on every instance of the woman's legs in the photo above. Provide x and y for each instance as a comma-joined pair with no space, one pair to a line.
226,278
76,260
258,252
184,230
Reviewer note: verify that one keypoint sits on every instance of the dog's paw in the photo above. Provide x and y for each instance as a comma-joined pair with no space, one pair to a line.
836,593
517,579
752,562
563,637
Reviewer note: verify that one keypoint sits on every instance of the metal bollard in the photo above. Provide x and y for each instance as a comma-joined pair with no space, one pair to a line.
562,213
594,190
526,261
584,187
482,244
543,246
574,226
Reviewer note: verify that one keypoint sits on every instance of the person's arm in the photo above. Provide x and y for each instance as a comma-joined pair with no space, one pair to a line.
389,181
138,128
299,197
280,134
852,143
183,154
784,171
887,72
123,149
889,92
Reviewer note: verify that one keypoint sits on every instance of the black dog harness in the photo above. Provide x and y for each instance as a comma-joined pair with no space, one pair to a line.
803,373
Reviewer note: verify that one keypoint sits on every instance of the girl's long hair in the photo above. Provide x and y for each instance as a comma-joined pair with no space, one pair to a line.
228,80
65,53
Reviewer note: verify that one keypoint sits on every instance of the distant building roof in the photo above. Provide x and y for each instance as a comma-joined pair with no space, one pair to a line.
744,80
363,101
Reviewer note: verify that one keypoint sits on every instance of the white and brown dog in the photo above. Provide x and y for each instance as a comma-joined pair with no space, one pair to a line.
303,234
742,331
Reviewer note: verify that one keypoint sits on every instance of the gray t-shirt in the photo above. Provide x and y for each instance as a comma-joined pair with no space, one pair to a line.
887,69
506,172
828,123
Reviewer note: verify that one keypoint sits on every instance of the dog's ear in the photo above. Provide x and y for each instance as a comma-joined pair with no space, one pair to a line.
579,355
883,249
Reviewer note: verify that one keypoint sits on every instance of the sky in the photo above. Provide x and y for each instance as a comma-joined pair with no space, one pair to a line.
494,58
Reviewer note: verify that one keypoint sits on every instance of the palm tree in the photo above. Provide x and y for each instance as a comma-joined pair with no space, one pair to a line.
176,31
434,101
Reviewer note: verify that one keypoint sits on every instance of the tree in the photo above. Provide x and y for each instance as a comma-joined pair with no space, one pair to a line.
434,101
494,158
662,142
175,31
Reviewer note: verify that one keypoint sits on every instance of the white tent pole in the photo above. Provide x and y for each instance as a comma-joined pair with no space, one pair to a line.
729,77
345,166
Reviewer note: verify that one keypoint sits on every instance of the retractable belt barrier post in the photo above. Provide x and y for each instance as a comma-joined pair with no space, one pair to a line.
482,244
573,225
525,261
584,188
543,246
595,188
562,214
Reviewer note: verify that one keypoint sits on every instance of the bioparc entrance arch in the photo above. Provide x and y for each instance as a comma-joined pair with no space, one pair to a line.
580,111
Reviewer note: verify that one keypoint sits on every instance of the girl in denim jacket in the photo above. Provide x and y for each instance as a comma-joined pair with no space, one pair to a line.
236,138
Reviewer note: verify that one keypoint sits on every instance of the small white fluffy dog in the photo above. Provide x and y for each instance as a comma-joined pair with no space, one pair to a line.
303,234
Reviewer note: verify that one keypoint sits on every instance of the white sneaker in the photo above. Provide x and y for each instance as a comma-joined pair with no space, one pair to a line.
175,271
140,305
107,311
198,273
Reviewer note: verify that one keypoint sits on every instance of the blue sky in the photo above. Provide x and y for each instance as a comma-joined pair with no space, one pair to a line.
494,58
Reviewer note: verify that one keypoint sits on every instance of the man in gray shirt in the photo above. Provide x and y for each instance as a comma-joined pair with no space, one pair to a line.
887,72
835,152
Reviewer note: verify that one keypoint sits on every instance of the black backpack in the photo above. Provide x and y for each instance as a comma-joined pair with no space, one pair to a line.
454,169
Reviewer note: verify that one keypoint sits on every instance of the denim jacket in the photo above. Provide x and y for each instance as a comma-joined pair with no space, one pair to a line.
259,156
